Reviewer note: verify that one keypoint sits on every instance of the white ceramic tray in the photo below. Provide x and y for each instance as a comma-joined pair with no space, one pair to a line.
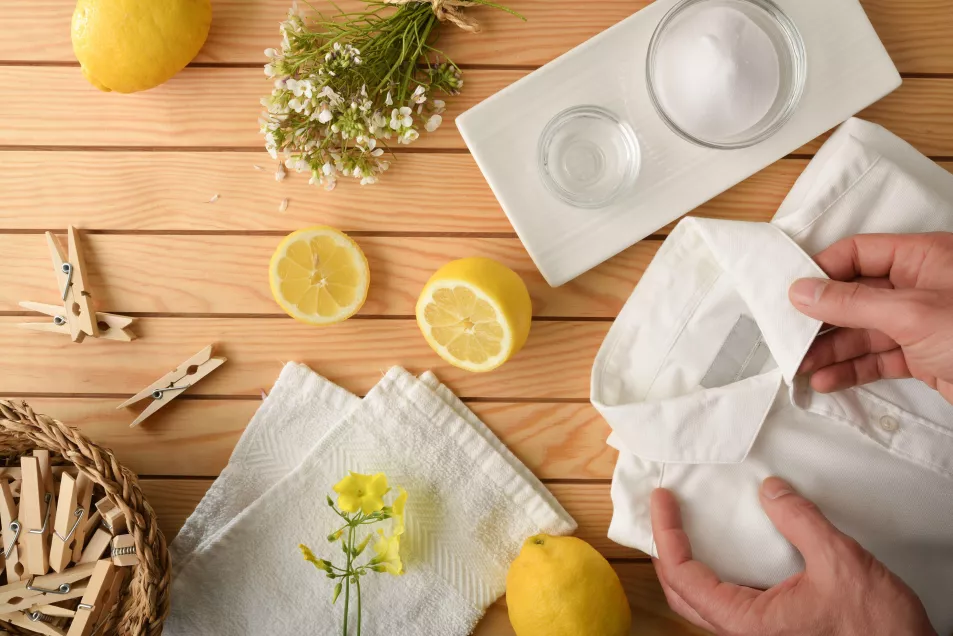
848,69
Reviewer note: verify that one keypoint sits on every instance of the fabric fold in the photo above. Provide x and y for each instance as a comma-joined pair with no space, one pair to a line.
471,505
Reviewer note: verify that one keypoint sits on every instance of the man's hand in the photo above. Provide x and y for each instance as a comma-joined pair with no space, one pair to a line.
893,294
843,591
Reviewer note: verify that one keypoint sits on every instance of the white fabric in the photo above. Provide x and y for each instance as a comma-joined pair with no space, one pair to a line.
849,69
237,569
878,460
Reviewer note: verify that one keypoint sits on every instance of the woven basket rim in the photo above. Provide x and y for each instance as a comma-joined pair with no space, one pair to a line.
144,603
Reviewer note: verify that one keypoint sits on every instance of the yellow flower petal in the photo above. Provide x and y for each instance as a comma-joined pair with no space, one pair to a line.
388,554
362,492
399,505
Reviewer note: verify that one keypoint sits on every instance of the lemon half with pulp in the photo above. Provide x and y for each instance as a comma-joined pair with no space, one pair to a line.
319,276
475,313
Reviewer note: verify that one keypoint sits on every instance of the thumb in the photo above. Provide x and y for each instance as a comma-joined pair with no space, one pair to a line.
853,305
801,523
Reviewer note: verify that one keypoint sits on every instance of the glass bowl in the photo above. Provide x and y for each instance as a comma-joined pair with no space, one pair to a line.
588,156
792,63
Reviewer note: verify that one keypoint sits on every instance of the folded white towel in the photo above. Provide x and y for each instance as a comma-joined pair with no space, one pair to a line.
471,505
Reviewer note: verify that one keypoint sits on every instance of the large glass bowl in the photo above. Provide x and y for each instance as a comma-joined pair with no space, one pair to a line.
792,58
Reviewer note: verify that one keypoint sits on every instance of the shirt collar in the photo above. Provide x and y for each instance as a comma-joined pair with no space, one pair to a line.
703,425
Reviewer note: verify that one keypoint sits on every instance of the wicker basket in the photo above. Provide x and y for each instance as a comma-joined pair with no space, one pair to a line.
144,605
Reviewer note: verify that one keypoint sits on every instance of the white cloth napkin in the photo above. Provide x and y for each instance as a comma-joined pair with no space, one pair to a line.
237,569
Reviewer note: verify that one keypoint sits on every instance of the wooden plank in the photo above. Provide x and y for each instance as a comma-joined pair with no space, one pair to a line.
196,438
916,32
353,354
188,274
170,191
651,615
202,107
218,108
590,504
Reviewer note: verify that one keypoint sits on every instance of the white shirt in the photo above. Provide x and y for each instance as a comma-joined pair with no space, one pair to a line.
697,380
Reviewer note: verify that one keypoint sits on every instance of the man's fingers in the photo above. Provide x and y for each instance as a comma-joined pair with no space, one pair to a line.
695,583
801,523
875,256
889,365
677,603
854,305
845,344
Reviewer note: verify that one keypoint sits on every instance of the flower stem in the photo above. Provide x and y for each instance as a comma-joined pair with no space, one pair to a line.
357,581
347,577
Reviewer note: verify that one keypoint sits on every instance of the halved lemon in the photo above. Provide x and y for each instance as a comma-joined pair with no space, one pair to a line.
475,313
319,276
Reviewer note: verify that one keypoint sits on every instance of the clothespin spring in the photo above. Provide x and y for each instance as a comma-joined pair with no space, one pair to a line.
16,527
158,393
40,617
68,270
46,518
69,535
62,589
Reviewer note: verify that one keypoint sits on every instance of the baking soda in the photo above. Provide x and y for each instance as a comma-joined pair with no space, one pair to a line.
717,73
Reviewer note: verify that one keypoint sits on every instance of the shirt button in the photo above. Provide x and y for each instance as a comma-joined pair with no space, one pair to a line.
889,424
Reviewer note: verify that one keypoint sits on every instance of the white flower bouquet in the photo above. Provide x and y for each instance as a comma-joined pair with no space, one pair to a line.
347,86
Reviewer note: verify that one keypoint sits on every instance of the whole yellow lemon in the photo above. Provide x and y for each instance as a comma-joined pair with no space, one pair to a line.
561,586
134,45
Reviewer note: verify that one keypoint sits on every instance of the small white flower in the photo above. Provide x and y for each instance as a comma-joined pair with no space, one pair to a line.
371,143
271,53
434,123
327,169
439,106
325,115
329,183
279,85
420,95
281,173
369,180
409,136
272,151
357,172
389,100
269,71
291,84
377,153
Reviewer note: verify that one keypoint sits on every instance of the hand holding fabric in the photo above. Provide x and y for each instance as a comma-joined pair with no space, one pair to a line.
843,590
893,296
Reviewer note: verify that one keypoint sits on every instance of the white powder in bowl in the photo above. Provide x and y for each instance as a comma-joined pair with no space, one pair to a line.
717,73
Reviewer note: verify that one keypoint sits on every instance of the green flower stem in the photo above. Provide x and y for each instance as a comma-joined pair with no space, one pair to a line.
357,581
347,581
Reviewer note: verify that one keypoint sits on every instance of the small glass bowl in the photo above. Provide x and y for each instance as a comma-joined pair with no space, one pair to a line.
588,156
792,57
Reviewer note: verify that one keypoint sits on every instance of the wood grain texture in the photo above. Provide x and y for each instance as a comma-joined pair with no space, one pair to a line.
555,363
229,274
915,32
169,191
590,504
218,108
196,437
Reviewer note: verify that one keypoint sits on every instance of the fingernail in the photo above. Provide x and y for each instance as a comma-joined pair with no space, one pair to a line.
807,291
774,488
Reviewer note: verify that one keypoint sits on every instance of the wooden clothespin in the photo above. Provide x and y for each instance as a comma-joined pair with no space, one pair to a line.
123,551
173,384
85,487
35,508
93,605
47,589
113,519
96,547
69,515
11,528
76,317
33,621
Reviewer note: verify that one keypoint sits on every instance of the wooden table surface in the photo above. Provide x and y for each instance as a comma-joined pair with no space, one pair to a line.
137,172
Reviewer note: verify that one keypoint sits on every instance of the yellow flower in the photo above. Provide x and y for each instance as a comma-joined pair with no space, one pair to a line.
309,556
399,504
388,555
362,492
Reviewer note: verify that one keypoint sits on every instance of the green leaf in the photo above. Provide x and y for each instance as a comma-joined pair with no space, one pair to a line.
337,593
